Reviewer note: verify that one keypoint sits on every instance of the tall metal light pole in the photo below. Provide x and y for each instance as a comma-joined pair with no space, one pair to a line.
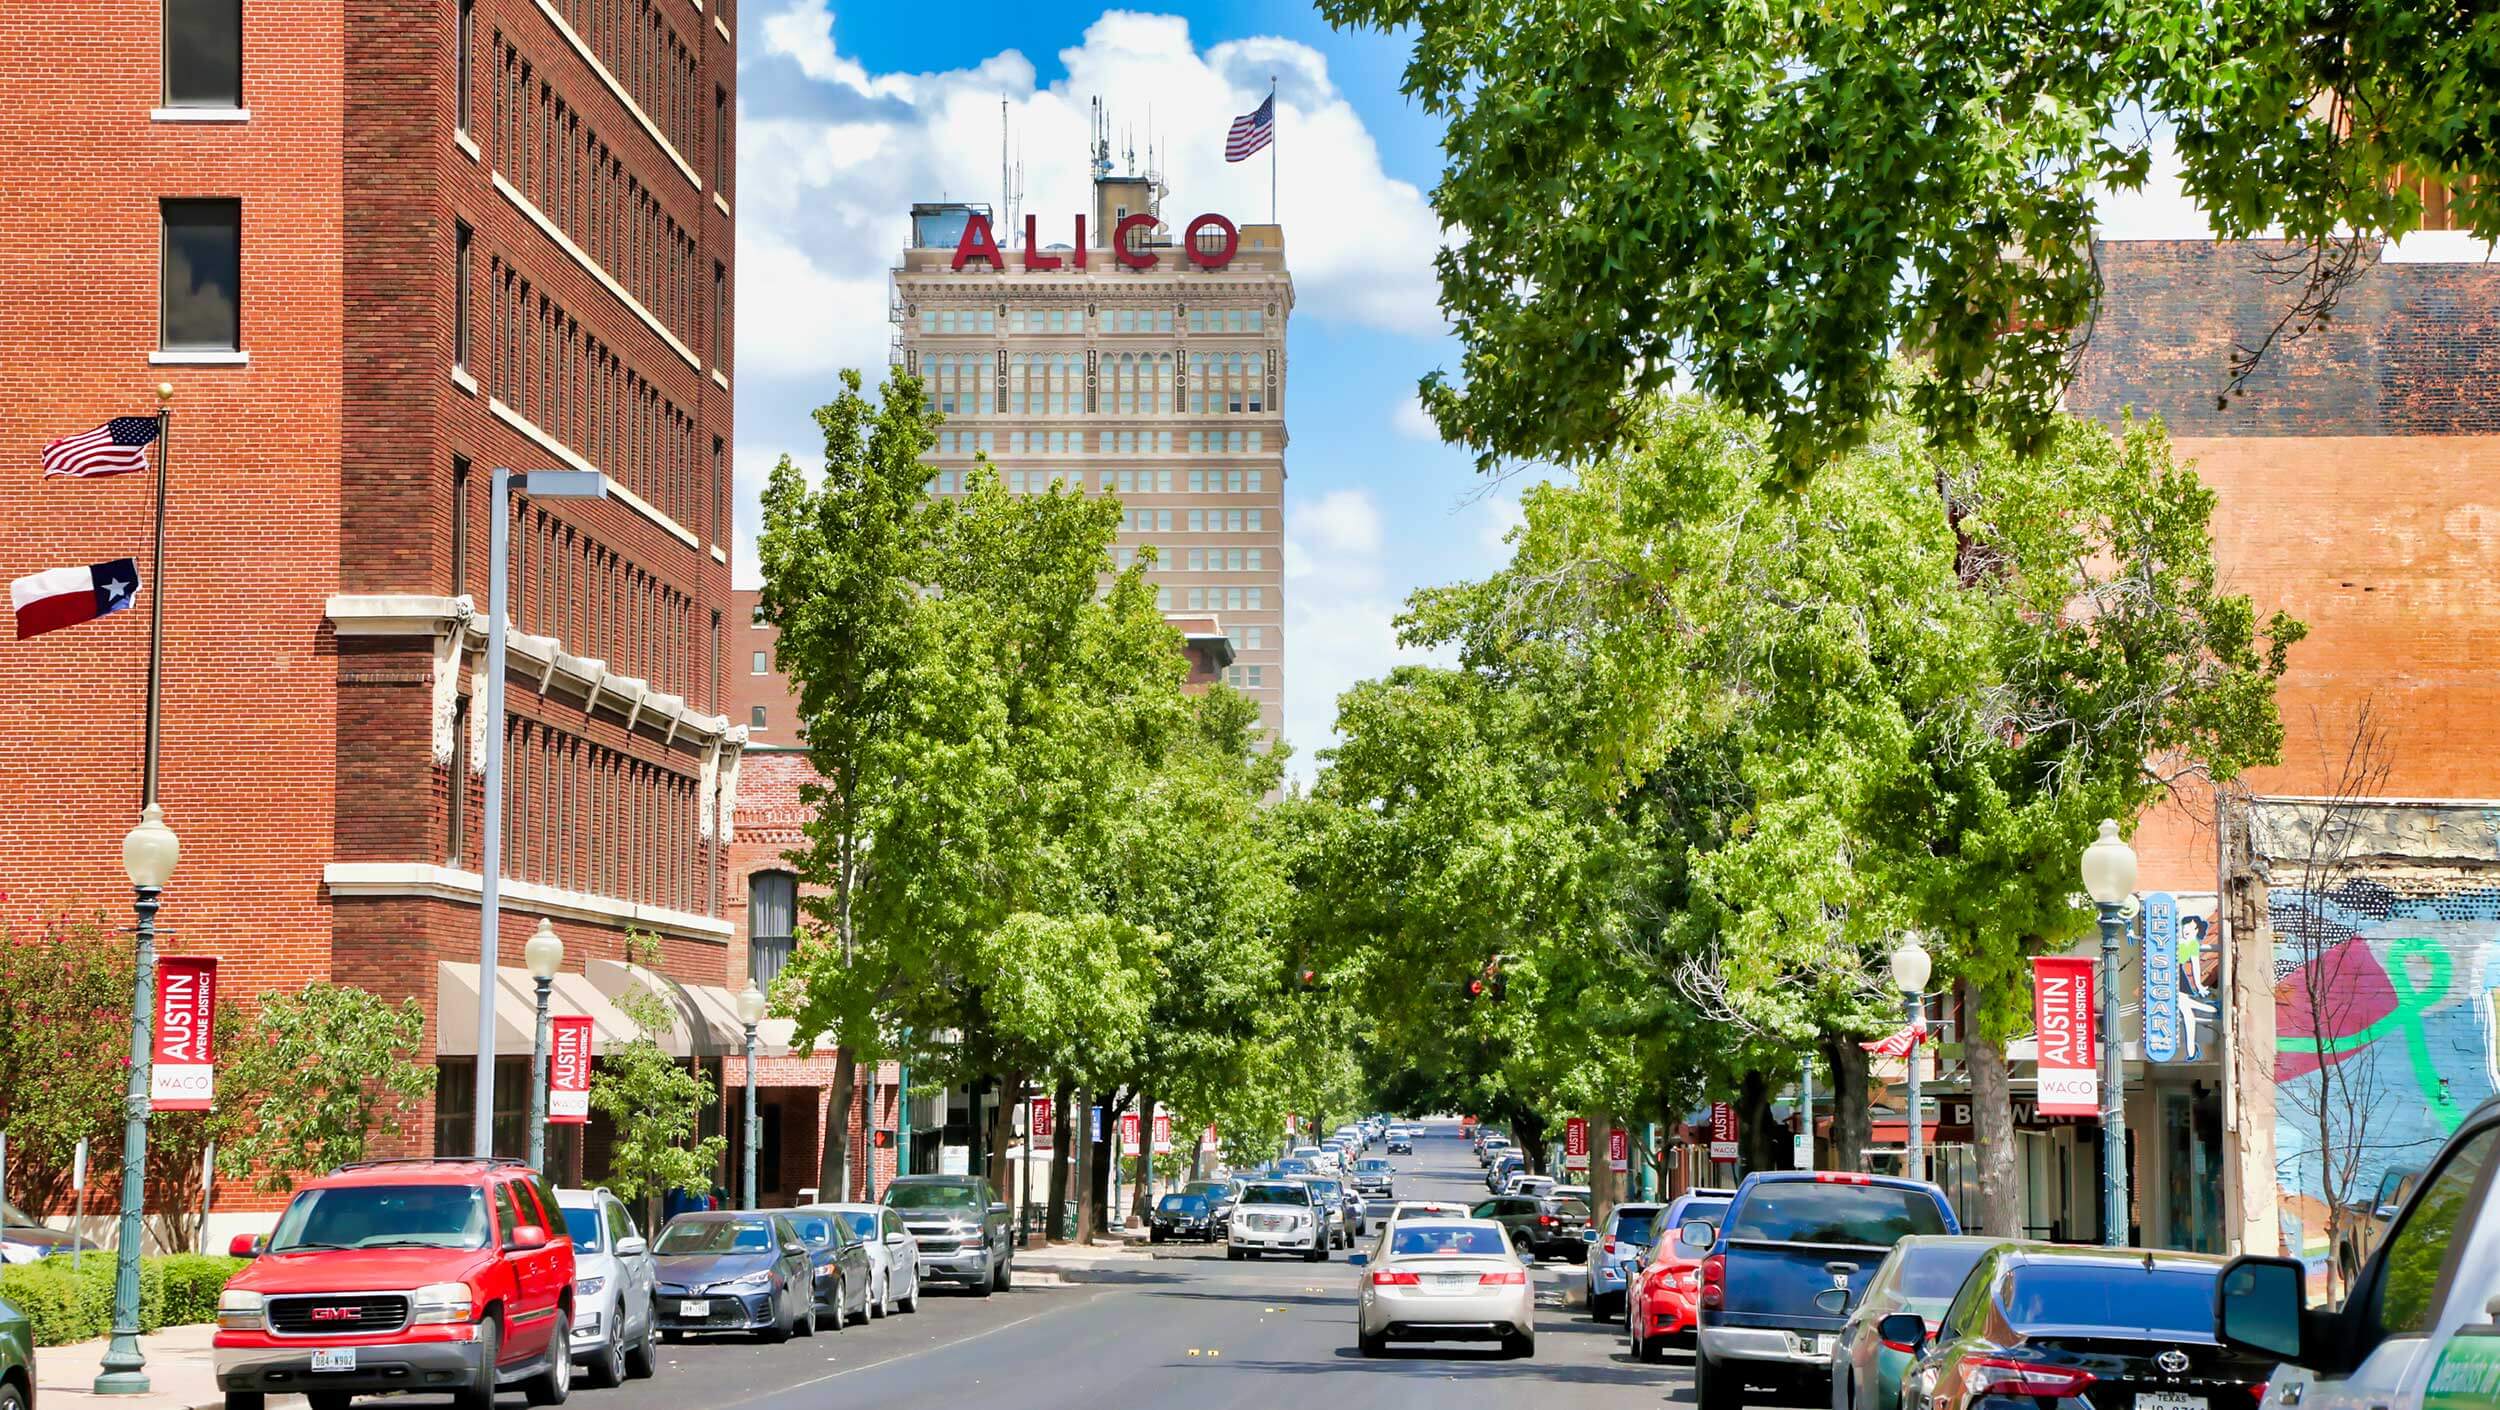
1911,964
148,855
544,954
751,1013
2109,875
539,484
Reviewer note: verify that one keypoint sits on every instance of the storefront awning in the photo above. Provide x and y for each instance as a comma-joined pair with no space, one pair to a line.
703,1018
516,1010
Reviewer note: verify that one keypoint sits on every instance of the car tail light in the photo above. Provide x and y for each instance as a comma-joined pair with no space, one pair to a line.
1834,1177
1513,1278
2257,1391
1386,1279
1545,1220
1610,1248
1998,1375
1714,1281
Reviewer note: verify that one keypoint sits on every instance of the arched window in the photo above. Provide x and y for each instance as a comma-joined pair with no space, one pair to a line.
772,921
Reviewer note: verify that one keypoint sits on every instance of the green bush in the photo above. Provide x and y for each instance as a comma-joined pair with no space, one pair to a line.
66,1304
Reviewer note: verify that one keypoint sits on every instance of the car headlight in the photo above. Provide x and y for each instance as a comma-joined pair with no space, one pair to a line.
752,1282
441,1303
239,1310
589,1286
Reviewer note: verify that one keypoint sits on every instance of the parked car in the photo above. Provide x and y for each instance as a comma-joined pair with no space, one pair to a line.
1538,1230
893,1255
845,1285
1490,1148
2081,1327
614,1321
1662,1306
1182,1216
1290,1167
1277,1216
1533,1186
735,1271
1504,1165
1919,1277
1789,1237
2417,1331
1444,1280
1615,1248
480,1276
1221,1196
1330,1196
2359,1227
961,1228
24,1239
17,1360
1582,1193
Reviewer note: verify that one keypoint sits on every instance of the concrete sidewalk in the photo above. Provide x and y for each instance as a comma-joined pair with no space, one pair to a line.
180,1375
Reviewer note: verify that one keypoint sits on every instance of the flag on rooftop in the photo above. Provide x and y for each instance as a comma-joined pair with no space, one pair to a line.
117,447
1251,131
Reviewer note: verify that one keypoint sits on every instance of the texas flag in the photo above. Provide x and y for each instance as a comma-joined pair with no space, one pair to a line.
64,597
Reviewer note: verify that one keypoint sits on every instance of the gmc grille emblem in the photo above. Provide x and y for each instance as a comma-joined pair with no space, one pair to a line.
336,1314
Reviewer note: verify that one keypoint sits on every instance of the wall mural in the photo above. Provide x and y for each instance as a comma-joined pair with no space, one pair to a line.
2387,999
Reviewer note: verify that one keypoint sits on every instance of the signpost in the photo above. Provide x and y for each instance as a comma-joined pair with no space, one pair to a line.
2062,1010
568,1070
2161,977
182,1074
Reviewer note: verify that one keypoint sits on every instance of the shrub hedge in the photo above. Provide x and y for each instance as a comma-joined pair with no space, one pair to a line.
69,1304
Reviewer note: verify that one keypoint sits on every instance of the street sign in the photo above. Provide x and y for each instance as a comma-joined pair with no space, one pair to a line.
1095,1133
2161,977
1163,1133
2062,1010
954,1160
1041,1125
1723,1133
1576,1139
1128,1133
1802,1153
568,1070
182,1072
1619,1149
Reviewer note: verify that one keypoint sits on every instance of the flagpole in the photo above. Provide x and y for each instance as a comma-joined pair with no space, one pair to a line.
156,591
1271,149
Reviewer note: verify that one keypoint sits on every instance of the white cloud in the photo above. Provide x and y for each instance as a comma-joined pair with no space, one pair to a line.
1340,628
1342,521
2160,210
1496,514
1411,421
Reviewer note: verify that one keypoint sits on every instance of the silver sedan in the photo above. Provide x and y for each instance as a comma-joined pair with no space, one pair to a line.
1445,1280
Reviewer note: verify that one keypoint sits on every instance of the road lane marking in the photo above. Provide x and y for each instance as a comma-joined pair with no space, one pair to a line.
907,1355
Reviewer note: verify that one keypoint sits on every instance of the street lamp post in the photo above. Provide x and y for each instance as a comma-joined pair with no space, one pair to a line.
148,855
541,484
1911,964
2109,875
545,955
751,1013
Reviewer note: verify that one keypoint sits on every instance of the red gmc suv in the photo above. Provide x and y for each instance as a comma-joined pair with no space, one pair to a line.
404,1275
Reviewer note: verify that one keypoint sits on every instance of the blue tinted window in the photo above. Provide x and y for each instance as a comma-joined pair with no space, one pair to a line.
2173,1301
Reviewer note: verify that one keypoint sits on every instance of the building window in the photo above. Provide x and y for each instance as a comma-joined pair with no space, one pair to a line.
459,525
464,39
720,142
761,668
461,239
204,53
203,257
772,920
720,310
755,717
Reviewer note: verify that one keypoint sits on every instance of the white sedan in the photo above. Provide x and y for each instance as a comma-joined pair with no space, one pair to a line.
893,1257
1445,1280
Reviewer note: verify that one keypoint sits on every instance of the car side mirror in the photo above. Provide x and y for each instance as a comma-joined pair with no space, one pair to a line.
1698,1234
1357,1260
898,1238
631,1246
245,1246
529,1236
1588,1236
1902,1331
2261,1306
797,1249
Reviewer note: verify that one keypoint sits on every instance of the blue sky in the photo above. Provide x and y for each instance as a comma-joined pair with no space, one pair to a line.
849,113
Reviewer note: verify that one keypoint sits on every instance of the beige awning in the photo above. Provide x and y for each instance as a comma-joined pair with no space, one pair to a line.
703,1017
516,1010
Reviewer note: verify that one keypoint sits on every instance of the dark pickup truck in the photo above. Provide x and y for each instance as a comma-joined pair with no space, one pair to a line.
1782,1268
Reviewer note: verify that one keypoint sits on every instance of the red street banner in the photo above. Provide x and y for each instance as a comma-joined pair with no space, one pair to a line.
1723,1132
1619,1149
2062,1009
568,1070
182,1072
1041,1127
1163,1133
1212,1143
1576,1138
1128,1133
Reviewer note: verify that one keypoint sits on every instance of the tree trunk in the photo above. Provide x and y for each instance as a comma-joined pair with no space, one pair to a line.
1003,1131
1529,1129
1140,1203
1760,1147
1853,1103
1602,1192
1992,1133
1080,1134
833,1164
1062,1159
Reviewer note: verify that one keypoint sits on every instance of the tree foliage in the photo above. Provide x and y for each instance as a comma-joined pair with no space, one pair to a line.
653,1102
326,1066
1780,197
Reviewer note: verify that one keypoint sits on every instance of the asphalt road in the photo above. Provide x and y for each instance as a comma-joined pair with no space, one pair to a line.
1185,1329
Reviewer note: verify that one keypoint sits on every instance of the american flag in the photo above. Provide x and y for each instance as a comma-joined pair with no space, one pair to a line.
1251,131
1900,1044
117,447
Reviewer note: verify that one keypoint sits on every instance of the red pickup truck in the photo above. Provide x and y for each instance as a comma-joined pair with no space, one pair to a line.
404,1275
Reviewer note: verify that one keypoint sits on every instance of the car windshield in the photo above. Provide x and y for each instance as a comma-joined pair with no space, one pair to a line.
1326,1189
582,1222
16,1218
1569,1209
1275,1194
1429,1240
1183,1204
1374,1166
717,1236
1636,1226
863,1222
1212,1189
1293,1167
932,1197
2172,1303
376,1216
1935,1273
1827,1212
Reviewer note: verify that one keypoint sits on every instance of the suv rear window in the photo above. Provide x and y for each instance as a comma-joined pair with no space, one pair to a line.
382,1216
1636,1226
1816,1212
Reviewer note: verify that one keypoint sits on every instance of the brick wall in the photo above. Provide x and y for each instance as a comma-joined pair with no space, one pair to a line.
750,689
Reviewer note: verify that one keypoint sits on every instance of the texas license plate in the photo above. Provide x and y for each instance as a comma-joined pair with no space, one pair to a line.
334,1358
694,1307
2167,1400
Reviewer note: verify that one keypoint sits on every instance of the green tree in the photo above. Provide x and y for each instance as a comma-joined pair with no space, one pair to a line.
64,1033
1779,197
653,1102
325,1066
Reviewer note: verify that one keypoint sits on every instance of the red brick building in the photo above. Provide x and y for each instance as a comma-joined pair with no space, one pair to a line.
387,246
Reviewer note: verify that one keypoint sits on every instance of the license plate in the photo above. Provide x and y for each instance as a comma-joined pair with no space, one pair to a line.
697,1307
1451,1280
2167,1400
334,1358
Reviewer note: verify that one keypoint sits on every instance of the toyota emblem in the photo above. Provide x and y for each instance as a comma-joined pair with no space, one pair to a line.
2172,1362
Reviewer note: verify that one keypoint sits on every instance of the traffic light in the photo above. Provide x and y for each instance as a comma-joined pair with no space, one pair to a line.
1310,979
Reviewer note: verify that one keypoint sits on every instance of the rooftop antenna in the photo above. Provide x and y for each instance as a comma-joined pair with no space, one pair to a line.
1006,195
1101,142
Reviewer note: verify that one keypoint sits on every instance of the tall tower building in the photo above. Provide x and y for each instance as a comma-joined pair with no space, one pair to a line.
1123,351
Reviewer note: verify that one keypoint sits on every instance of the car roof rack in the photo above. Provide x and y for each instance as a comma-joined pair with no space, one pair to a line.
379,1161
